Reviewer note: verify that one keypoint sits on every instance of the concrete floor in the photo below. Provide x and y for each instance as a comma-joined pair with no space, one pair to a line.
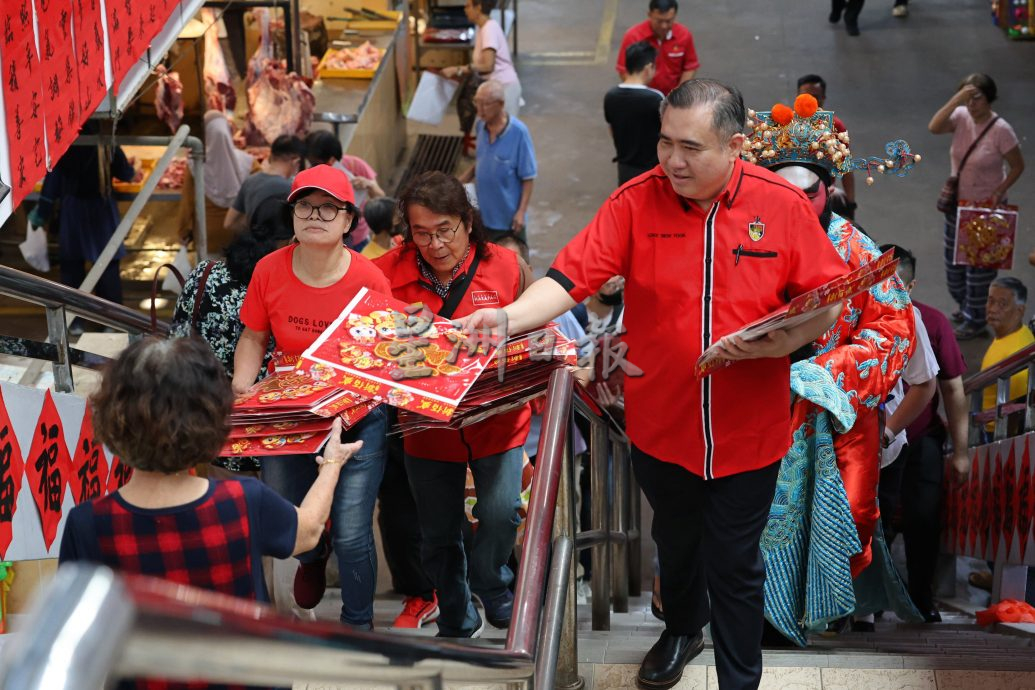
885,85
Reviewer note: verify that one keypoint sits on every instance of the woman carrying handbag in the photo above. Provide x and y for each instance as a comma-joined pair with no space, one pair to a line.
986,162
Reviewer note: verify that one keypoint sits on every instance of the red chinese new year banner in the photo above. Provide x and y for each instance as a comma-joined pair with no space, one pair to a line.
48,468
12,471
60,77
23,97
89,464
89,54
990,516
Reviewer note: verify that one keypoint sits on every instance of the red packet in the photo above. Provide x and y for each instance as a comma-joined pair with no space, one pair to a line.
985,236
260,429
276,444
48,468
12,470
284,390
384,349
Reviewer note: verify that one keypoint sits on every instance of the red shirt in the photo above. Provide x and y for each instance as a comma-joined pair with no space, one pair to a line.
950,365
685,288
676,54
496,283
297,313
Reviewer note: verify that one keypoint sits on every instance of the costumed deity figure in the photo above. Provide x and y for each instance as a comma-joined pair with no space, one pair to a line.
824,517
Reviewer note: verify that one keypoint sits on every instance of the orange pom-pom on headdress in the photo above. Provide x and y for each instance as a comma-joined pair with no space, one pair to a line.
781,114
806,105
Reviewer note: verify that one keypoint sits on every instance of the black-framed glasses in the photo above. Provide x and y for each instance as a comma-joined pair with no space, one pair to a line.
445,236
303,210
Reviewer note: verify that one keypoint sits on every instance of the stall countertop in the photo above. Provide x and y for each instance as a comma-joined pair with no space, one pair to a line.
343,100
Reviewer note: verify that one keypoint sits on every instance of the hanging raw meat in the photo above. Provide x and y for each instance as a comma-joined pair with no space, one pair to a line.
278,103
264,53
169,98
219,91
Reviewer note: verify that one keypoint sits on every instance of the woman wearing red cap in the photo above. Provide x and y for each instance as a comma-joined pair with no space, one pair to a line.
294,294
447,263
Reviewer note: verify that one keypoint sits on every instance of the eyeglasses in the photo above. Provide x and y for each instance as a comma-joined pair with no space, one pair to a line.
423,239
326,212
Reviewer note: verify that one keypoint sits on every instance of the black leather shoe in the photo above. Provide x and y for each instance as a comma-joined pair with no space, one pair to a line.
663,666
931,615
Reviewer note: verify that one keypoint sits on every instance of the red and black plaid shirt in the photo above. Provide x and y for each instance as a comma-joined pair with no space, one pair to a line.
208,543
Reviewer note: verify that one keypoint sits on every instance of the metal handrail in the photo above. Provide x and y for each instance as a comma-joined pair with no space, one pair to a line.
47,293
1004,368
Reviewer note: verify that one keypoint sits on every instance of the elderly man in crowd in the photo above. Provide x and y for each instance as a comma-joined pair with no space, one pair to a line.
505,166
1007,297
708,474
677,59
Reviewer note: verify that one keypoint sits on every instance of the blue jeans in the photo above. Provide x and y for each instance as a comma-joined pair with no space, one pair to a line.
438,489
352,513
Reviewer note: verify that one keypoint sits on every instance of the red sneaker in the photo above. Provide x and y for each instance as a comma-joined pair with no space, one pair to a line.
417,611
311,581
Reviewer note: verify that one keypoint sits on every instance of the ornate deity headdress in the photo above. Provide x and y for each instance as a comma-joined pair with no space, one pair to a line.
805,135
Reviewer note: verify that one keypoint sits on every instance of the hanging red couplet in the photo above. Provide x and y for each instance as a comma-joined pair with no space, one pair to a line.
48,468
118,476
89,54
12,469
60,77
89,464
23,97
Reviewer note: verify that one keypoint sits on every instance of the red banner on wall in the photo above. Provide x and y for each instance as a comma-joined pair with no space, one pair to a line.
12,471
23,100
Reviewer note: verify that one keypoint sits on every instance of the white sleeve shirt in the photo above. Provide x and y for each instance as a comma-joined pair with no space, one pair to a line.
922,367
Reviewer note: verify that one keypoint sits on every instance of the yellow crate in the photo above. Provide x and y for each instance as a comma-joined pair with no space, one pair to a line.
326,73
376,24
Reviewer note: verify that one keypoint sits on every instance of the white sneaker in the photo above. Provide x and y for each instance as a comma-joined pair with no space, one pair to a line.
900,11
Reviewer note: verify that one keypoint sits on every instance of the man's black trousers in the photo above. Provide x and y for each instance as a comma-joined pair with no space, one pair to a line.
707,533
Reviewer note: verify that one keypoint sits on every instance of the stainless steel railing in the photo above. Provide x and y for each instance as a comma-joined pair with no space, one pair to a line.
999,375
61,304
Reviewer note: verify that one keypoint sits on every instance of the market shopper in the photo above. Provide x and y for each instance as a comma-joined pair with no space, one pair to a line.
294,294
324,148
163,407
922,467
87,214
850,9
1007,302
505,165
631,110
709,476
986,157
677,60
447,264
226,169
490,58
842,200
209,305
382,215
287,157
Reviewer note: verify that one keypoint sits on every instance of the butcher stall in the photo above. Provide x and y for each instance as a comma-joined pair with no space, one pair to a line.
271,67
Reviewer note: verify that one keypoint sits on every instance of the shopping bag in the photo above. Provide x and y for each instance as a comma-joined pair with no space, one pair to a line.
182,264
434,92
34,248
985,236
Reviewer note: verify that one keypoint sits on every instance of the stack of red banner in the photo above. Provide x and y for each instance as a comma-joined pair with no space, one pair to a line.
289,413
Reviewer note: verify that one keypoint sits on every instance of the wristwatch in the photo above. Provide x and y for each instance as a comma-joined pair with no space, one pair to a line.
888,438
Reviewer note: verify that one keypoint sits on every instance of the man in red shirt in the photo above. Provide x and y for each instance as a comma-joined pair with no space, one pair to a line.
707,243
677,59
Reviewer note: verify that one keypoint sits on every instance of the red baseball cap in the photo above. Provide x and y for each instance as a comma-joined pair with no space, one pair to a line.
326,178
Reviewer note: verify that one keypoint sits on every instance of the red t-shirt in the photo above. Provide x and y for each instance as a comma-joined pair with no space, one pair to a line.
496,283
676,54
297,313
950,365
687,285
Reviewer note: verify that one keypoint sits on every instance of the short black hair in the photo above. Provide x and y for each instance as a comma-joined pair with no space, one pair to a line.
1014,285
322,146
728,114
984,83
906,262
510,241
286,147
638,56
813,79
379,213
663,5
485,6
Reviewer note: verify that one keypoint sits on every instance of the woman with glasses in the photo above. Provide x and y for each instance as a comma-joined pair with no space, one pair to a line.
446,263
986,157
294,294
